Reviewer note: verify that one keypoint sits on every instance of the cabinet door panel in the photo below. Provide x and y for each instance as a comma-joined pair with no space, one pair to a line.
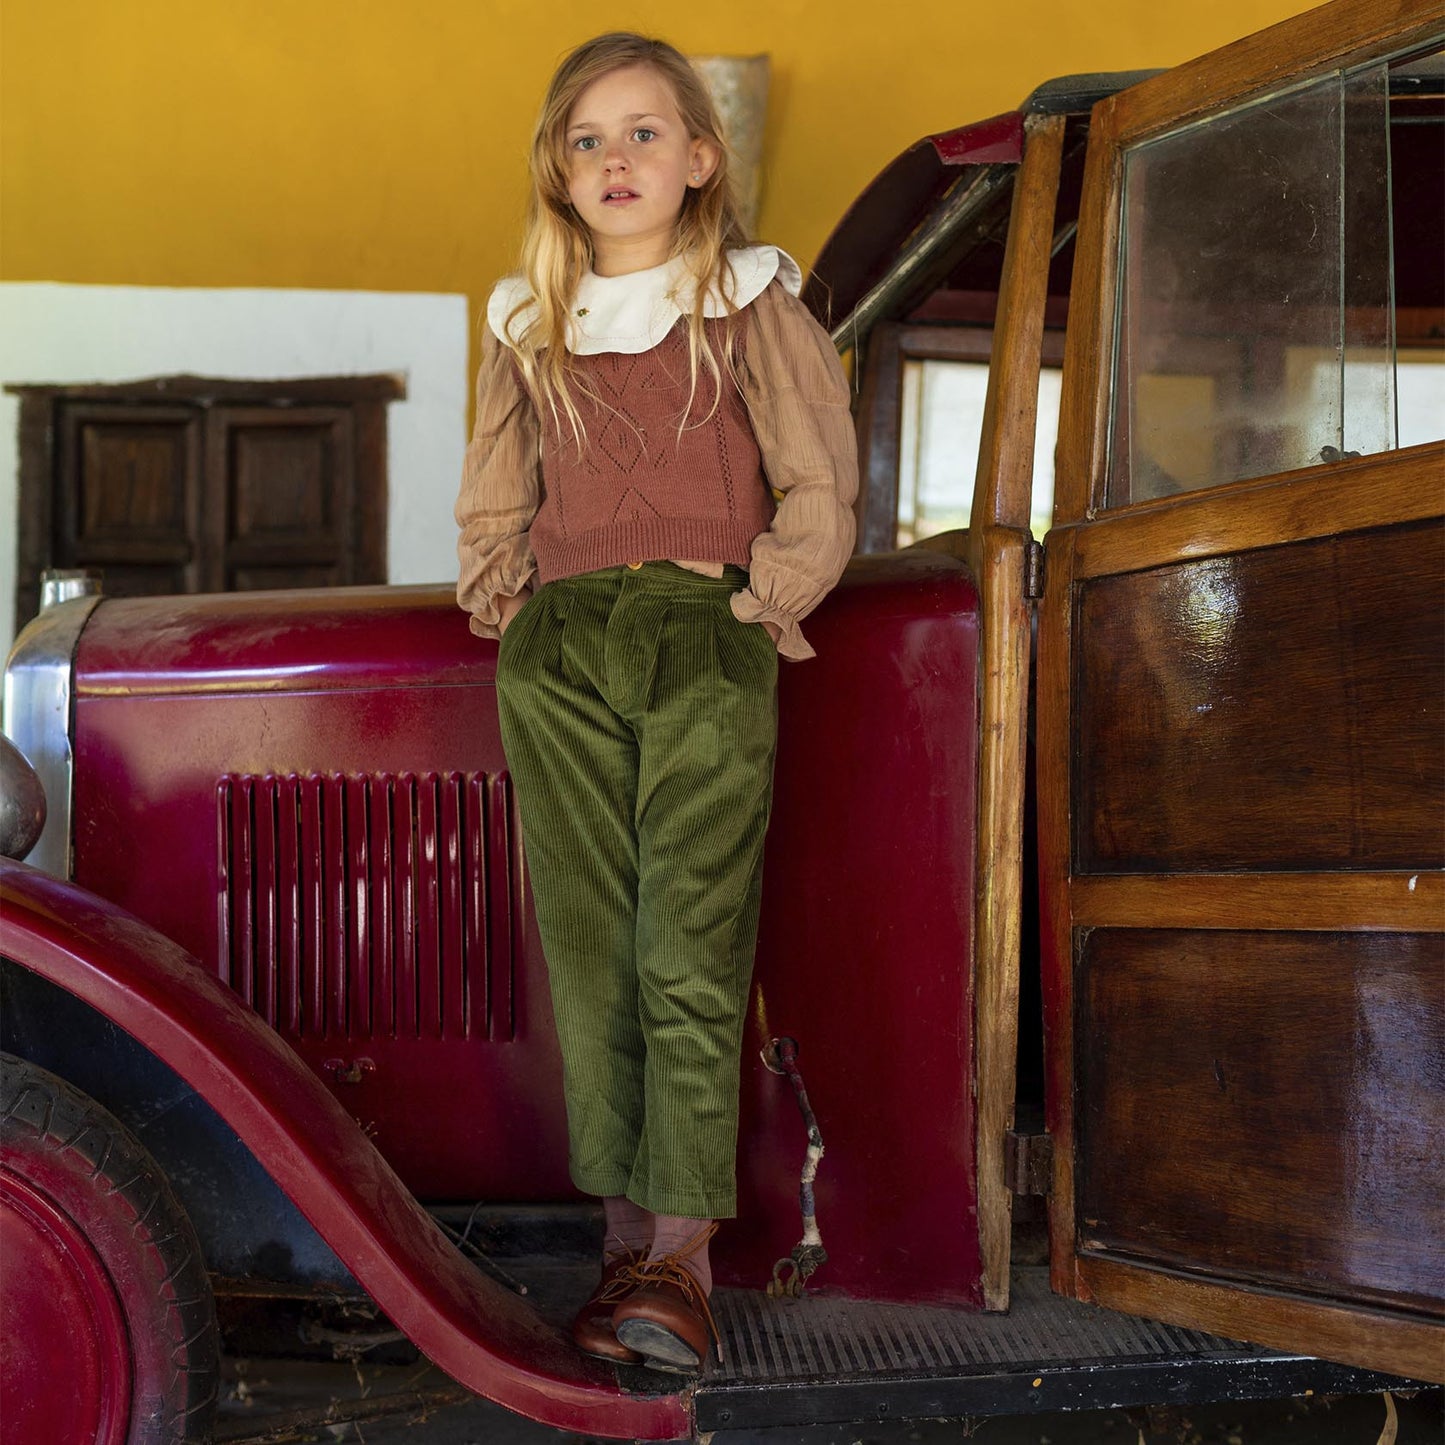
281,496
127,495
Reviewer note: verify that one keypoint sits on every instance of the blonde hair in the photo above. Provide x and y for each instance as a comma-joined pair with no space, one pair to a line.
557,246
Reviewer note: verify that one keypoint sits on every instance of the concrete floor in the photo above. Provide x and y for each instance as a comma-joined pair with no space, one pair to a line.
260,1395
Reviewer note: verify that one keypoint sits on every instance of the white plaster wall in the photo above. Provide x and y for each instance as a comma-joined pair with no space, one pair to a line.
68,334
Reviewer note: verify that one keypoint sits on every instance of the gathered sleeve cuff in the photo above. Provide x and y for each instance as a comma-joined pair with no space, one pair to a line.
797,399
500,492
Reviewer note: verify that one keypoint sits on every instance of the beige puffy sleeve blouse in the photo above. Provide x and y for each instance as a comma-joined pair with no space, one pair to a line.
501,490
797,398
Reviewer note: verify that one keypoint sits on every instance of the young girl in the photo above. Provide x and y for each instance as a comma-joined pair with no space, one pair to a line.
658,488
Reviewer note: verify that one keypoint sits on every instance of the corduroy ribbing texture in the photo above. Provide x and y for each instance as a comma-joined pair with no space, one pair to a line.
646,487
639,721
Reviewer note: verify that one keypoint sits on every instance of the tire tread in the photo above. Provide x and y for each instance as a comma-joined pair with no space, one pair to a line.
60,1120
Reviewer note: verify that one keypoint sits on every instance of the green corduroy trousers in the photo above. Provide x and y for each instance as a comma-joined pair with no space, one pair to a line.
639,719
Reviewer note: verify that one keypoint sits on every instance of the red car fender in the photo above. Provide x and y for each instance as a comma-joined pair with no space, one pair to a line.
483,1336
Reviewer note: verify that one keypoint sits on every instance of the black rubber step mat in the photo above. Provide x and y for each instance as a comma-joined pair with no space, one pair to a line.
801,1338
818,1359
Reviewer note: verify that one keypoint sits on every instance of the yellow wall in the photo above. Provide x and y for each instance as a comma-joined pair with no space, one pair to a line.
361,144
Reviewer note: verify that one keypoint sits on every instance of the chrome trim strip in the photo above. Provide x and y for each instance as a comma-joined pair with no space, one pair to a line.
923,249
36,717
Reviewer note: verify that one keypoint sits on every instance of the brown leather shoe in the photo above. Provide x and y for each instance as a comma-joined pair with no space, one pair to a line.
665,1318
592,1331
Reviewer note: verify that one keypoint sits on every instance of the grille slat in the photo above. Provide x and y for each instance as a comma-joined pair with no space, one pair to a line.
288,906
360,932
501,923
403,835
454,1003
263,821
383,912
477,942
243,930
428,904
369,905
311,903
334,892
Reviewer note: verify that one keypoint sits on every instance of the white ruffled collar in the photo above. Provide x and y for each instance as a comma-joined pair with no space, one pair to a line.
631,314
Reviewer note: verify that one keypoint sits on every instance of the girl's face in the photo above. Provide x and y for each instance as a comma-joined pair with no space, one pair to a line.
630,163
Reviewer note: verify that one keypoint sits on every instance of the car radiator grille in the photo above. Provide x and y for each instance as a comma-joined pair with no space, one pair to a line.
363,906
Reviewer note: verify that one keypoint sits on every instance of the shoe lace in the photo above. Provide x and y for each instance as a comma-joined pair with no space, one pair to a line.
672,1269
617,1251
621,1263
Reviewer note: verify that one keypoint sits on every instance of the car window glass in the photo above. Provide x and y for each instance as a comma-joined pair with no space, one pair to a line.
1257,296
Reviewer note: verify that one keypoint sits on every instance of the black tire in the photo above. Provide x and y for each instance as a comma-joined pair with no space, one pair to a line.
84,1204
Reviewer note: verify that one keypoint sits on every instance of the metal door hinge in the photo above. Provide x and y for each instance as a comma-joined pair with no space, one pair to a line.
1028,1162
1034,570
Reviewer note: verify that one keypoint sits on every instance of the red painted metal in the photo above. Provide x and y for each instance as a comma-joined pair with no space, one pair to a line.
65,1369
483,1336
252,784
998,140
866,945
341,638
250,761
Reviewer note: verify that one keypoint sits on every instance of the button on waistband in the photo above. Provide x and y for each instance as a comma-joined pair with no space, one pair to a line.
634,566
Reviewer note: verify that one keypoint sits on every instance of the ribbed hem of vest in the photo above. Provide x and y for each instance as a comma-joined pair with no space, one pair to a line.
661,540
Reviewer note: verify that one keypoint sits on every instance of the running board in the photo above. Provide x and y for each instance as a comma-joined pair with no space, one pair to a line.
820,1360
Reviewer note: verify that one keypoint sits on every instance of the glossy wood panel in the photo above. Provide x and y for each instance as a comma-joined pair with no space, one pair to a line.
1055,925
1266,1108
1320,40
1282,709
1004,484
1006,637
998,548
1405,486
1220,525
1400,902
1375,1339
1089,340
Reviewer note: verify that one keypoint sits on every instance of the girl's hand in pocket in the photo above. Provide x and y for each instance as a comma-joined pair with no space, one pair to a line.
510,607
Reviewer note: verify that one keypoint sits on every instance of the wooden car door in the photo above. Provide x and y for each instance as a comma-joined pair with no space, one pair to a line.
1241,729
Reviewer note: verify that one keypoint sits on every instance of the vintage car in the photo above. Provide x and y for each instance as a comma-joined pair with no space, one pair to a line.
1106,879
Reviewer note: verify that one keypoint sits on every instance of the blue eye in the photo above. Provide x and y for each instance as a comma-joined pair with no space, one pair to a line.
586,143
644,134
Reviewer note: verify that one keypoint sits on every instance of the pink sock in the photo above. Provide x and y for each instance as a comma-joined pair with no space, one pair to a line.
677,1235
628,1227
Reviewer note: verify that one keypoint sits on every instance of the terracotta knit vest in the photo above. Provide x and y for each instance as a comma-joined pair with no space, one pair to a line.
640,491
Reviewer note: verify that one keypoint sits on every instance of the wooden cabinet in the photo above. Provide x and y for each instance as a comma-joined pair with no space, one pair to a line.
188,485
